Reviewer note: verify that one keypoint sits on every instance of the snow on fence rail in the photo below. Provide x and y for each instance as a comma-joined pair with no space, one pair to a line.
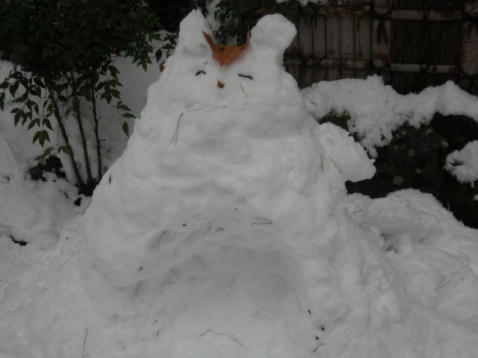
412,45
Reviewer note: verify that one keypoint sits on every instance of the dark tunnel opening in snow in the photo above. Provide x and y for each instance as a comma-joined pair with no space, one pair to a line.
253,263
227,282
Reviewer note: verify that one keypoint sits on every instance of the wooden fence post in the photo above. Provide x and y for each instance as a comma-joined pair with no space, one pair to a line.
363,49
319,48
382,37
291,53
469,50
347,34
333,42
306,74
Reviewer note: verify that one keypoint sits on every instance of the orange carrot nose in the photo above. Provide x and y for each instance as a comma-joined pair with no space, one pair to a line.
227,53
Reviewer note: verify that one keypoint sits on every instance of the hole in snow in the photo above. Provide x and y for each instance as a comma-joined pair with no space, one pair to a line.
18,242
250,294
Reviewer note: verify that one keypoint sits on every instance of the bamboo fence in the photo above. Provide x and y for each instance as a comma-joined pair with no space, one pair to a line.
412,44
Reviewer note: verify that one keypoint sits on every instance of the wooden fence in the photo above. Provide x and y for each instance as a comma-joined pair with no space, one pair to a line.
412,44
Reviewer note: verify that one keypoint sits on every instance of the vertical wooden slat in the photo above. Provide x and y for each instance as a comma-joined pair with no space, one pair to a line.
293,52
293,49
306,44
294,71
319,49
347,43
347,35
469,52
381,44
363,45
332,24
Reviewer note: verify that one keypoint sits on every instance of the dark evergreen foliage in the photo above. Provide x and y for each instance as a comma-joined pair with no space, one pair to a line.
64,51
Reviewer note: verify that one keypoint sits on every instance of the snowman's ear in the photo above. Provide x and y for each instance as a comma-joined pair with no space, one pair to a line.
273,32
191,38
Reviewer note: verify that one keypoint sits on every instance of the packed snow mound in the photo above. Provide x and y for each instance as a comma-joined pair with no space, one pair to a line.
225,169
201,150
463,164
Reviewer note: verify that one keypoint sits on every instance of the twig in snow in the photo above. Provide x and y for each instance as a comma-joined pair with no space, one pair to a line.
243,90
218,229
440,284
444,284
234,339
210,226
15,154
252,225
246,76
202,334
175,135
84,342
321,344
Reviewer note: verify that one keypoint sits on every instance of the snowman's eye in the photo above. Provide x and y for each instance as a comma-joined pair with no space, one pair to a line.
246,76
200,73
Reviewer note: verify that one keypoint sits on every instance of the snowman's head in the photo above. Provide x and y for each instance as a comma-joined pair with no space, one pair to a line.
246,90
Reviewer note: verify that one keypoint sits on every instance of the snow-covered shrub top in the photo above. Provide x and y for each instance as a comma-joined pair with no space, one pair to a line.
463,164
376,110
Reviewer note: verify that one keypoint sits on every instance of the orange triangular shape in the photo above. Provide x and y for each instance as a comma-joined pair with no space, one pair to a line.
225,53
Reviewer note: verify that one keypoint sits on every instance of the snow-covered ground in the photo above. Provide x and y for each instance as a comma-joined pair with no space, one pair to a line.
223,228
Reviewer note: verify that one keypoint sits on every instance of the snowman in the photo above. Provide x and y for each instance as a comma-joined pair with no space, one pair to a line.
227,176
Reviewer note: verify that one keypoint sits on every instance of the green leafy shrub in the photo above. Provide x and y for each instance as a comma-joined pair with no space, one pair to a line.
64,53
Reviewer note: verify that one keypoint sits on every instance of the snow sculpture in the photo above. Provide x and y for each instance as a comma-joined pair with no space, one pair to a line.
237,171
